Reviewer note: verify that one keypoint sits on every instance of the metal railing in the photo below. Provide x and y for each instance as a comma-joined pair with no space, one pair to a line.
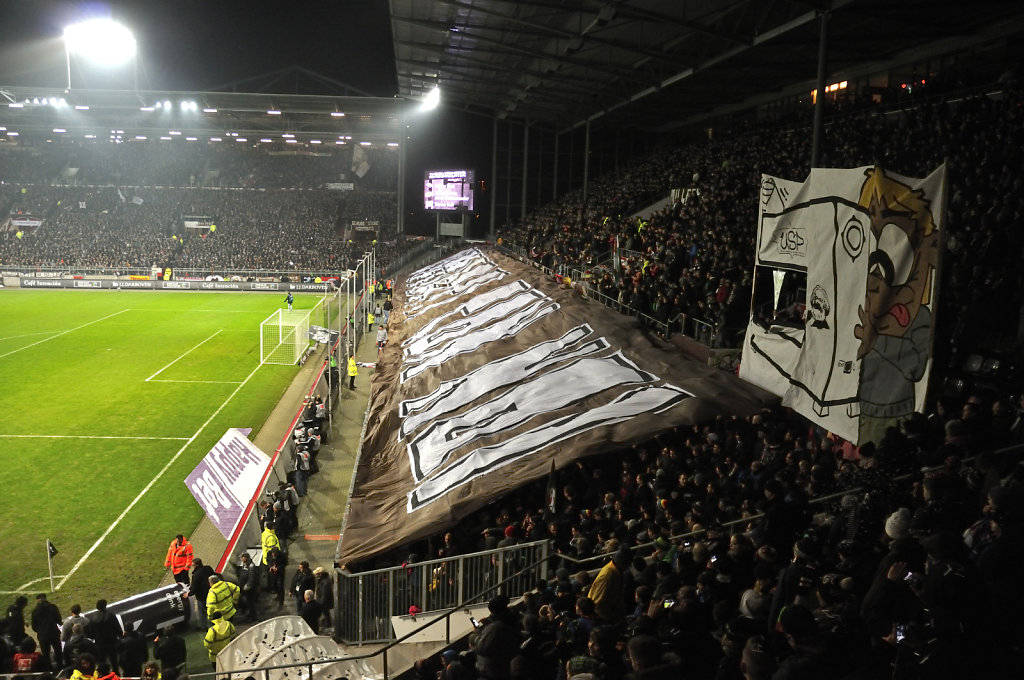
371,598
521,580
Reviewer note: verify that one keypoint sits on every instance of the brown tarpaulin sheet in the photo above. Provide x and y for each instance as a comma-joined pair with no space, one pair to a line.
378,516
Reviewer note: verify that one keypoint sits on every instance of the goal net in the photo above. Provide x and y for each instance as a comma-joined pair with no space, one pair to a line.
284,335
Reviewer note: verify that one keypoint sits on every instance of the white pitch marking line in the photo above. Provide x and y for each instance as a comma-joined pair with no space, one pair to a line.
87,436
24,587
153,481
182,356
57,335
23,335
206,382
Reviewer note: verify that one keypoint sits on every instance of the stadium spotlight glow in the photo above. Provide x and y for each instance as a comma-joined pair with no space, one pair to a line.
101,40
432,99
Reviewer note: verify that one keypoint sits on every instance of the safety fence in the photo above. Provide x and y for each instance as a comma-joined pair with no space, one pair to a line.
366,601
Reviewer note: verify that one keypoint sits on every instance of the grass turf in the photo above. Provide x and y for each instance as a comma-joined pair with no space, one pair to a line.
99,392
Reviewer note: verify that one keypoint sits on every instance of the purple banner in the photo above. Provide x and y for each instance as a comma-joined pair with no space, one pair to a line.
226,478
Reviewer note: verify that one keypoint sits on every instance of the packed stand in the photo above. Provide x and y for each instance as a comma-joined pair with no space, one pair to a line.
113,207
704,554
694,258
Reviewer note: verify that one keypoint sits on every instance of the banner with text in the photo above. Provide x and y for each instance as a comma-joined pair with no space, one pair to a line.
227,478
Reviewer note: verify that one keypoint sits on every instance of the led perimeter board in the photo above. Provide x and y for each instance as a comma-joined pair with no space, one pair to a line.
448,190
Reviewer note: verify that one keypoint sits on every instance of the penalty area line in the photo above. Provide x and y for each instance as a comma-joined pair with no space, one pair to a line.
153,481
57,335
182,356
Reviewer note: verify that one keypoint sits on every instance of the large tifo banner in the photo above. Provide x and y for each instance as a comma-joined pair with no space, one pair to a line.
493,373
869,242
226,479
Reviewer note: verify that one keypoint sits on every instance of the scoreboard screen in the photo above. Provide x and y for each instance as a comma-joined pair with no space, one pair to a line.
448,190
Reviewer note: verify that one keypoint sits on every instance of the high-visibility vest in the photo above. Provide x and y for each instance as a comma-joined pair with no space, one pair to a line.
179,557
222,598
217,637
353,370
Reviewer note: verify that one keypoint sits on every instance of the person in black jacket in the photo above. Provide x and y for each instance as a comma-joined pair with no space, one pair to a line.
104,629
46,622
311,611
324,594
199,589
132,651
169,649
499,641
302,581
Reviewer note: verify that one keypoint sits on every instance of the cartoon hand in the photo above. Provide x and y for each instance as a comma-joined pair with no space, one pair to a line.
767,191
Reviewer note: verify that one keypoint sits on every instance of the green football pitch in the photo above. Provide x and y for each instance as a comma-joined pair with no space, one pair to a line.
108,399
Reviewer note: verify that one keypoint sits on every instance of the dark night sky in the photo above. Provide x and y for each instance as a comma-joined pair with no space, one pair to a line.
204,44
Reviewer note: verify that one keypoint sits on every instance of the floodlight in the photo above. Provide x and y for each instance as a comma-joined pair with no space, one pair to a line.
101,40
167,105
81,107
273,112
337,114
432,99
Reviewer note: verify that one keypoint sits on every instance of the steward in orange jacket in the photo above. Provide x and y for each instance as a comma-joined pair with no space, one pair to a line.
179,558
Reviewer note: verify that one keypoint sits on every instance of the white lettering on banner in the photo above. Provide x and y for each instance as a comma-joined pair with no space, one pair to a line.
88,284
210,494
466,288
226,478
179,285
571,384
470,342
264,286
425,292
491,458
467,324
474,305
452,395
37,283
440,271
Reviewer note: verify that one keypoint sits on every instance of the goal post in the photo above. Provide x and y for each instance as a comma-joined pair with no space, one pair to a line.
284,335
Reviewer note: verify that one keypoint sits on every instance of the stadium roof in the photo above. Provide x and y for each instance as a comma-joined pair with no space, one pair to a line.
659,63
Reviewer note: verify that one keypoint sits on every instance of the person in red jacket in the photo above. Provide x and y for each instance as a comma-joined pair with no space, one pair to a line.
179,558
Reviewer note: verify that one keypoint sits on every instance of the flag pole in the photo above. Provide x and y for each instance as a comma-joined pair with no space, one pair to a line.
49,562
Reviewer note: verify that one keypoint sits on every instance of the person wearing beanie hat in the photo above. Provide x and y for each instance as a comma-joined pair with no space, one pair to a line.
499,641
897,525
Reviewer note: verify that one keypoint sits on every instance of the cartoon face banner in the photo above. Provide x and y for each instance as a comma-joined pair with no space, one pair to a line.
488,380
869,242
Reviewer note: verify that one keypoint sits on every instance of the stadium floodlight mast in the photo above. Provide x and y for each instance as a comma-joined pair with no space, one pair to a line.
102,41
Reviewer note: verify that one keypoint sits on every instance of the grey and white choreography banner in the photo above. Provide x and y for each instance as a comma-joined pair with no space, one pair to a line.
493,373
226,478
869,243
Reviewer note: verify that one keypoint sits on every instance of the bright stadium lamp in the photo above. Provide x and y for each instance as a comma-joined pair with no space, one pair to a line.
432,99
101,41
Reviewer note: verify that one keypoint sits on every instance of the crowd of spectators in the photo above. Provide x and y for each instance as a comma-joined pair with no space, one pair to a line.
693,259
196,164
765,542
763,547
119,206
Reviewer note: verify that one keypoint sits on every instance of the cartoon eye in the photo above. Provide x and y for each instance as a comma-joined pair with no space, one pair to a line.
893,260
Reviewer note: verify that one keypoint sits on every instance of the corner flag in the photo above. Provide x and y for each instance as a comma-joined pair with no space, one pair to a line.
50,548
